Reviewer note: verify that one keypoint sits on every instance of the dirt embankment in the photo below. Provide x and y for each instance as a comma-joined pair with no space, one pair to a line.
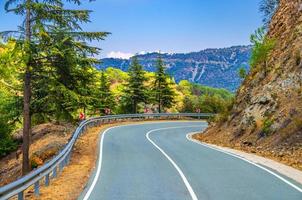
47,140
291,156
72,180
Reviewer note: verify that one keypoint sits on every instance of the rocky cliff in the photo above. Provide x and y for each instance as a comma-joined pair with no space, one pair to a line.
267,115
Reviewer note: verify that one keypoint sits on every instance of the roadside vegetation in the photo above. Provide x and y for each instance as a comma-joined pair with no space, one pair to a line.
48,74
68,84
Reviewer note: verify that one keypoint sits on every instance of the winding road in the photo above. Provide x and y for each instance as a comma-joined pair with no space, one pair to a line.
156,161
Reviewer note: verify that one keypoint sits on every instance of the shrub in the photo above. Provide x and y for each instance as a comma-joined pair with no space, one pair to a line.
262,48
266,127
7,145
242,73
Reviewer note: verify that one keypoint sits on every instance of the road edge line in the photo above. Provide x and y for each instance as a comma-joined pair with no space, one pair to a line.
189,137
183,177
99,163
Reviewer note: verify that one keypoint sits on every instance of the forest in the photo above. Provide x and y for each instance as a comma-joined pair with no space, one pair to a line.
66,92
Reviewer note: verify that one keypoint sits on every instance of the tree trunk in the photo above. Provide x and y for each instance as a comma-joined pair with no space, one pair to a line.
26,124
27,95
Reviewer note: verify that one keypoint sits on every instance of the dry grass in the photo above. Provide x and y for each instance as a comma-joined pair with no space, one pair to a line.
10,166
74,177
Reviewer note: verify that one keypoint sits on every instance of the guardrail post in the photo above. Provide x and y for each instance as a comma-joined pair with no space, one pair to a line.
47,180
37,188
21,195
61,166
68,158
54,172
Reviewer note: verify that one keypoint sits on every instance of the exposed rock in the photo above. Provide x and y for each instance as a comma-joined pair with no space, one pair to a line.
47,152
264,100
43,129
274,96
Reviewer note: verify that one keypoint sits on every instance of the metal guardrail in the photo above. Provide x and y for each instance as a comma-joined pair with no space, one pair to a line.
50,169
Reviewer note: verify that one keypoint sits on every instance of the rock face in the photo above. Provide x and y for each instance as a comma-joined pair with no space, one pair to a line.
211,67
267,113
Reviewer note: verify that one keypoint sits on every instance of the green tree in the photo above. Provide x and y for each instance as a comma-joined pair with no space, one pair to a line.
190,103
262,46
106,99
10,99
135,89
43,21
163,93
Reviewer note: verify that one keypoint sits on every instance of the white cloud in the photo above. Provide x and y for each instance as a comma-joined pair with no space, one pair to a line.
118,54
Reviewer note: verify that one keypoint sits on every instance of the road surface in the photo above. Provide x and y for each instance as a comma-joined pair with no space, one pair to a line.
156,161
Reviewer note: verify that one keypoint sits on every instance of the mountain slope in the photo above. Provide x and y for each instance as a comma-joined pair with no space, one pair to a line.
210,67
267,115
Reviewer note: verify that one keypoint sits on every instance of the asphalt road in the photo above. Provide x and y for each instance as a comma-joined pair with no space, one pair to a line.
155,161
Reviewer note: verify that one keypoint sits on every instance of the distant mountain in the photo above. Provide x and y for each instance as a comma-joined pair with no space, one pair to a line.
211,67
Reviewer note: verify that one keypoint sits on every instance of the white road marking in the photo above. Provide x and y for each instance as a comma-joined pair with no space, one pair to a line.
96,177
188,136
99,166
190,189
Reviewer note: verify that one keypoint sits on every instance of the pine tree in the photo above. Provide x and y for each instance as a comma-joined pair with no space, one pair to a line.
135,89
44,21
163,93
106,99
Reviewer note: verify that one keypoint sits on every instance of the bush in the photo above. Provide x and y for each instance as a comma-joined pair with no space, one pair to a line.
266,127
242,73
10,112
7,145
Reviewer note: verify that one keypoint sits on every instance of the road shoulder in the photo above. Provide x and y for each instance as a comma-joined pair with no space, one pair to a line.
280,168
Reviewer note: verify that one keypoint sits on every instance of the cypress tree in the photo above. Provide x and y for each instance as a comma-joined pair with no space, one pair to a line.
106,99
163,93
135,89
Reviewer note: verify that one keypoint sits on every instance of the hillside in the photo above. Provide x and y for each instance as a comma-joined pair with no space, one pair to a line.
267,115
211,67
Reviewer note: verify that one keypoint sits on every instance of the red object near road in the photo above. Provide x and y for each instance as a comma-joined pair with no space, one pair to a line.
82,116
107,111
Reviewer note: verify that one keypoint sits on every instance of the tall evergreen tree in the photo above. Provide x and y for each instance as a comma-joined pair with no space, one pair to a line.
135,90
163,93
106,99
43,21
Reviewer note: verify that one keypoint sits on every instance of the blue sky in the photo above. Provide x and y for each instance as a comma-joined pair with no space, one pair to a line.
166,25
